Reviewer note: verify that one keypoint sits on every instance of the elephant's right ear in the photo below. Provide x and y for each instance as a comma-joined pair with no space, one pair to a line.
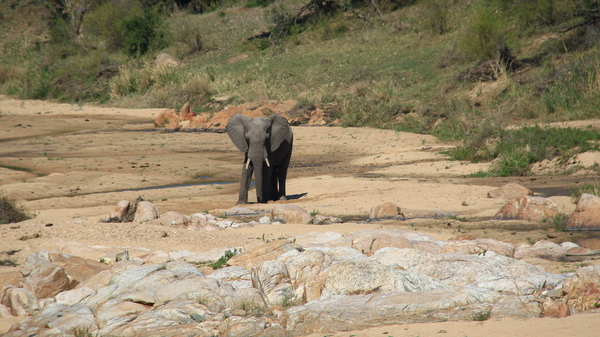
236,131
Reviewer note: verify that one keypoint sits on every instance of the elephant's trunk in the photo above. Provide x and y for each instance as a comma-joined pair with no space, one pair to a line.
258,157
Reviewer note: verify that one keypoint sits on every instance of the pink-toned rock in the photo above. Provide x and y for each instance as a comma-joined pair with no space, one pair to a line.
558,309
528,208
291,214
387,210
185,113
542,249
509,191
200,120
146,211
586,215
317,117
582,290
276,107
221,118
20,301
168,119
43,278
120,210
78,269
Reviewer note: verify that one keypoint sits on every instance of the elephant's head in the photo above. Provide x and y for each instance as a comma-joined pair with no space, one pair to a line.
258,138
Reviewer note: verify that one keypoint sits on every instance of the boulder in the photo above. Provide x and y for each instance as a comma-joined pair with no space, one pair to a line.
291,214
582,290
528,208
43,278
20,301
199,121
120,210
272,279
167,119
185,113
385,211
78,269
586,215
558,309
511,191
146,211
542,249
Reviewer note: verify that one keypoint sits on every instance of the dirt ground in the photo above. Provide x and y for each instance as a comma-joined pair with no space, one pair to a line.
69,165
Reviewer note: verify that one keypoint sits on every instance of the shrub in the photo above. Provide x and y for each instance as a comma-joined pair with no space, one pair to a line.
484,35
189,33
10,212
143,32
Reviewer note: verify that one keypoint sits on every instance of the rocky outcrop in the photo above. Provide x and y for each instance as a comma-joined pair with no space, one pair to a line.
586,215
318,282
528,208
295,114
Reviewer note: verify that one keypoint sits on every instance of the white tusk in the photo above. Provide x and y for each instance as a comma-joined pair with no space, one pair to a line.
248,163
267,161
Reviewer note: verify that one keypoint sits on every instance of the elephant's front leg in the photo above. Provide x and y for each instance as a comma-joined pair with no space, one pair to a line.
245,182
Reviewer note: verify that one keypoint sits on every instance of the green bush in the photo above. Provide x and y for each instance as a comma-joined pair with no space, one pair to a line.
143,32
484,36
10,212
106,21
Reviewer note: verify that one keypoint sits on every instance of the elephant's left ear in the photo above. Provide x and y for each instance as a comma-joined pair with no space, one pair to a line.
280,131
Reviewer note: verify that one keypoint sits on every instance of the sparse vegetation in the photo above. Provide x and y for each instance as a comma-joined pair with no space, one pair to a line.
482,316
8,263
578,190
10,212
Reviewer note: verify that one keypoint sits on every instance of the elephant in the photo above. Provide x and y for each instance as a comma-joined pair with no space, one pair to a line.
267,144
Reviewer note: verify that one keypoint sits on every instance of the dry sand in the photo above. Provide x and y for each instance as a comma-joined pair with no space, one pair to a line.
69,165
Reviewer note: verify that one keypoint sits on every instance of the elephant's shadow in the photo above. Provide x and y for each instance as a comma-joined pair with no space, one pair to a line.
295,196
